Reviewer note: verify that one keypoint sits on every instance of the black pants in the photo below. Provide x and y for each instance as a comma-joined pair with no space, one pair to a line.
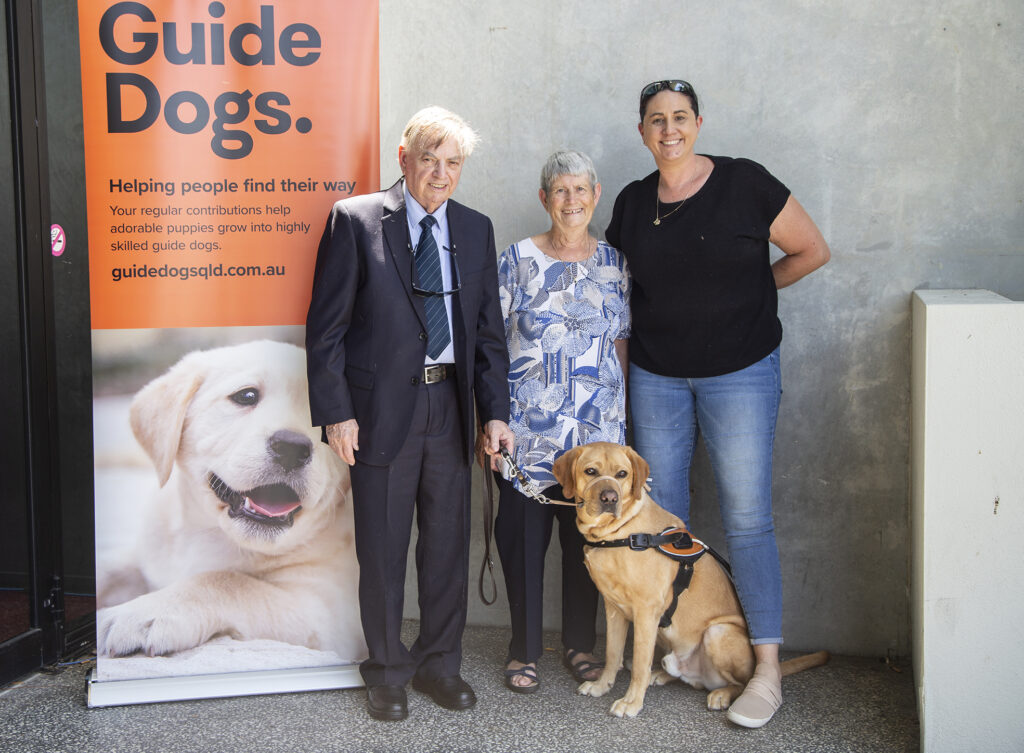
429,480
522,532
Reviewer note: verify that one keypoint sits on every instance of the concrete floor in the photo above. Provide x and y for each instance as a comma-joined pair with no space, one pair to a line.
851,704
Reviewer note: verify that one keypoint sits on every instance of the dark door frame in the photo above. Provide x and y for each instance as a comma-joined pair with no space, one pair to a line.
44,642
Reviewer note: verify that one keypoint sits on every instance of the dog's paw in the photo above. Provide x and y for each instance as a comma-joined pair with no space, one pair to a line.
624,708
661,677
102,626
720,699
594,688
147,624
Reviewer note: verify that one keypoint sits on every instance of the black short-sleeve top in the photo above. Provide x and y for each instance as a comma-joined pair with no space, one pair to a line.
704,301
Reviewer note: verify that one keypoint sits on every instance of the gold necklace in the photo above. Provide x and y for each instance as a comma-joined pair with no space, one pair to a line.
658,217
657,208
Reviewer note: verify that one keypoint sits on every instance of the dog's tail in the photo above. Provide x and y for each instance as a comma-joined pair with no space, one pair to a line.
807,661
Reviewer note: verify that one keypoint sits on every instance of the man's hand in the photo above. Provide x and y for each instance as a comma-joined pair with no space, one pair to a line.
344,440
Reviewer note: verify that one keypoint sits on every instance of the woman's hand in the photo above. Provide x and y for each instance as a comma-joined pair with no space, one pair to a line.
496,435
482,457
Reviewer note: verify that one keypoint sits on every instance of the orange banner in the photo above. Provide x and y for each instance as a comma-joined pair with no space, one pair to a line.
217,136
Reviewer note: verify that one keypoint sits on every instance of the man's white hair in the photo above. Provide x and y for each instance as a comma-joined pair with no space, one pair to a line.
431,126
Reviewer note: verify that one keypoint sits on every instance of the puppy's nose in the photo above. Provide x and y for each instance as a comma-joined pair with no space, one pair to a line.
290,449
609,498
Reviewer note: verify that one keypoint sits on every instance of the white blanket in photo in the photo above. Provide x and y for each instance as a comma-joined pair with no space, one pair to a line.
216,656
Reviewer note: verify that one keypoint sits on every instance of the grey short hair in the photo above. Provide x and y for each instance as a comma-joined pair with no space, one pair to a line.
567,162
432,126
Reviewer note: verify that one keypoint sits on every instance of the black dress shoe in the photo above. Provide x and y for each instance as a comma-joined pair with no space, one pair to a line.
387,703
449,692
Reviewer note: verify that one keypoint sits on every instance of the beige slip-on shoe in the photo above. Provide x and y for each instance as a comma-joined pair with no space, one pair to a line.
758,702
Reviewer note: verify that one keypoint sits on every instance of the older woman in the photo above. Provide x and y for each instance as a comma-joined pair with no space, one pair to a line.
705,344
565,298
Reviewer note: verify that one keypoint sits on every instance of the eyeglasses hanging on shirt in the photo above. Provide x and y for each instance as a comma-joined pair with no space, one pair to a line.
453,264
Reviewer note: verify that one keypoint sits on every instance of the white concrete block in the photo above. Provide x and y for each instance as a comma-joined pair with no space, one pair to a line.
967,519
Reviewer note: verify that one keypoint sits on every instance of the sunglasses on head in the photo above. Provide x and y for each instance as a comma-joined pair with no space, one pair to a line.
676,85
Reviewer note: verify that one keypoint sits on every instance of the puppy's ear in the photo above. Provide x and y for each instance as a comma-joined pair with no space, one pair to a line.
158,414
564,473
641,470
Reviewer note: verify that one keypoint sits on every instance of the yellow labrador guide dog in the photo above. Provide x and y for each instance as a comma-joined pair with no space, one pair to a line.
706,642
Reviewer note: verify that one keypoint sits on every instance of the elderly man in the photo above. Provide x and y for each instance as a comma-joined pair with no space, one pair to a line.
404,330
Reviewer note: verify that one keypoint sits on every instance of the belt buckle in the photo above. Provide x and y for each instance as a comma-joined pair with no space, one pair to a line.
434,373
640,541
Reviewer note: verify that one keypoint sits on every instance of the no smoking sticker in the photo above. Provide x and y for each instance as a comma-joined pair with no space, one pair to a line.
57,239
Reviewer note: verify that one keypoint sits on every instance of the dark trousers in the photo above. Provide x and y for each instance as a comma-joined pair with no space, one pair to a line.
522,532
429,480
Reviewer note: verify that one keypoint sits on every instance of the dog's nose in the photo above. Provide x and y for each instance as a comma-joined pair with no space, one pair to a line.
290,449
609,498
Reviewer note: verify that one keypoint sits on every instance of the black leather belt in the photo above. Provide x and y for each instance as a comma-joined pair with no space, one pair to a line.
438,372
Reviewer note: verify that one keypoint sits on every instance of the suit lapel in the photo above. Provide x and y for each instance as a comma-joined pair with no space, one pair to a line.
396,240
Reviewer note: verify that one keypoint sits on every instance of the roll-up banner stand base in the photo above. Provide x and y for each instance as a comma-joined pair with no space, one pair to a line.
160,689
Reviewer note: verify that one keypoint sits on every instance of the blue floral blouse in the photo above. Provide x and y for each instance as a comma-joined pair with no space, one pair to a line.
565,381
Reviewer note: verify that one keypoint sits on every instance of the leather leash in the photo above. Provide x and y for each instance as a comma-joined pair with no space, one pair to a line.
487,566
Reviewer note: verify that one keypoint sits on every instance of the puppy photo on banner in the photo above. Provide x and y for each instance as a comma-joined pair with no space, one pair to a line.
224,524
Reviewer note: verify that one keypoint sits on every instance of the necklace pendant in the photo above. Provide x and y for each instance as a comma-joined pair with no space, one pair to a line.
657,221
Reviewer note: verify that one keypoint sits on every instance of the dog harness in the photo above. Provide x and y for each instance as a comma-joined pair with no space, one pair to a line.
676,544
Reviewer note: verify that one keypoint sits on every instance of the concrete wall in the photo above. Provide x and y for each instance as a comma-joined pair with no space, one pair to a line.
967,519
895,124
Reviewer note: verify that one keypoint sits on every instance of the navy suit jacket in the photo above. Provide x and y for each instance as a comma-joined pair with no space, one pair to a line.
366,335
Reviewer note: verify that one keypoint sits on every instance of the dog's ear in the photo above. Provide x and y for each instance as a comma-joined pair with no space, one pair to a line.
158,414
563,471
641,470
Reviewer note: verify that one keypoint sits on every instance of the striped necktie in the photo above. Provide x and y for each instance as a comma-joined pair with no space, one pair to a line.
428,269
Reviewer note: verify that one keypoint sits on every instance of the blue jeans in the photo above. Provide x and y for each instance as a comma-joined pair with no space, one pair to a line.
736,414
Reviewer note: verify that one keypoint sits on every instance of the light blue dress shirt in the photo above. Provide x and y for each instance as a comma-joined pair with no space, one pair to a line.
414,214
